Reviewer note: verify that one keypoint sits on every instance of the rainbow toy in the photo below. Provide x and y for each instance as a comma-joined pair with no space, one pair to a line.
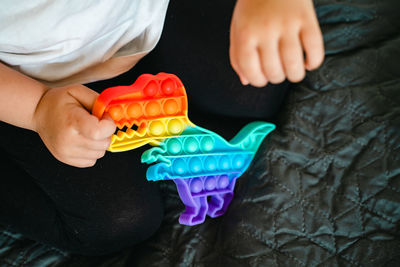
203,165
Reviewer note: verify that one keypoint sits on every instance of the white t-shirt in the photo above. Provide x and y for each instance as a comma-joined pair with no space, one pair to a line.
53,39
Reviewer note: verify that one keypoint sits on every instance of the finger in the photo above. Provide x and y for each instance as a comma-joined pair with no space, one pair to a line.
107,126
91,154
89,126
292,57
101,145
84,153
77,162
84,95
82,163
101,130
234,63
250,66
313,45
245,60
271,62
79,150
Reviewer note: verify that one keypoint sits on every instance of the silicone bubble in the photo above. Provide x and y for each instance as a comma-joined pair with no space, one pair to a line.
210,163
116,113
175,126
196,185
179,166
171,107
210,183
207,143
156,128
223,181
224,163
153,108
151,89
191,145
195,165
134,110
174,146
168,87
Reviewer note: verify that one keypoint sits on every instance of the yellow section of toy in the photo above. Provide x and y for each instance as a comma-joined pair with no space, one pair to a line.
149,132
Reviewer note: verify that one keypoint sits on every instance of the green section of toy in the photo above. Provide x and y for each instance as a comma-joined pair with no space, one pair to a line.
201,152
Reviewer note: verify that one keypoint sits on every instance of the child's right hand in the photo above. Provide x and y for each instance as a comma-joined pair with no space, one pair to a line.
269,39
63,121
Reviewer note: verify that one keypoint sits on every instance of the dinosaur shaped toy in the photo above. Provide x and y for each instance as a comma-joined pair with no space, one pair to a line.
203,165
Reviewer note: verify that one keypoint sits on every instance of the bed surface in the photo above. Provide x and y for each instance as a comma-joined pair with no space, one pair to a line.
324,187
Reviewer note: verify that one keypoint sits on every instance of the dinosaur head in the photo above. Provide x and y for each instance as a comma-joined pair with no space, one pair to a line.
148,111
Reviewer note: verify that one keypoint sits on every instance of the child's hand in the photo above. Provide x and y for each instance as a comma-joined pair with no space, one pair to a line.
269,39
70,132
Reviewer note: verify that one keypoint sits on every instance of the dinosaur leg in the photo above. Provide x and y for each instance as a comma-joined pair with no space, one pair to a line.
219,203
196,207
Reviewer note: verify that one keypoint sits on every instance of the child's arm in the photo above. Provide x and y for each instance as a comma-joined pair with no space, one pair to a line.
269,39
60,116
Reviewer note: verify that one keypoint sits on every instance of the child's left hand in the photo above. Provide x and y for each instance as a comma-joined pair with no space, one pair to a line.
269,39
73,135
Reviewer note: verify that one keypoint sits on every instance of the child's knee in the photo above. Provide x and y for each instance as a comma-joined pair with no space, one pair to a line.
117,228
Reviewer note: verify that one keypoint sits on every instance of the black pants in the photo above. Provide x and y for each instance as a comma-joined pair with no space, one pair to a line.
111,205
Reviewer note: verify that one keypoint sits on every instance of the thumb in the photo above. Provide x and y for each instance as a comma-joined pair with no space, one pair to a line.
107,126
93,128
90,126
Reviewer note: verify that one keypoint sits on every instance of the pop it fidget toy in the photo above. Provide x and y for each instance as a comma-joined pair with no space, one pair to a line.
155,104
203,165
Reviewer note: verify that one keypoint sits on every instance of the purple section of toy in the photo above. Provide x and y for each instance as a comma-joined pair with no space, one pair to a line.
205,195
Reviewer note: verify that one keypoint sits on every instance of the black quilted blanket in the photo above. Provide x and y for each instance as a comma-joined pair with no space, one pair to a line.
324,188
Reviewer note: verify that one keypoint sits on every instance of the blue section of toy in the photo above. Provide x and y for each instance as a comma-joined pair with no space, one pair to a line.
201,152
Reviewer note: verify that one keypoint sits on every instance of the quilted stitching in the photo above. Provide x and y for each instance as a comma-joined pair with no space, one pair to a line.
323,190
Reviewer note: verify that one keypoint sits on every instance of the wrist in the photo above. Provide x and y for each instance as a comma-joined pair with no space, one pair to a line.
37,113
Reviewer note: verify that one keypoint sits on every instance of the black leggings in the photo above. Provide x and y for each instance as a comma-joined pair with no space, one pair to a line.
110,206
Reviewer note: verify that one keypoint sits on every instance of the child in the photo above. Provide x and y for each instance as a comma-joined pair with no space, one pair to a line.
65,190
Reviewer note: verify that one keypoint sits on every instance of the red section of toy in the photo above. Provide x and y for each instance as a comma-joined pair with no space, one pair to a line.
150,97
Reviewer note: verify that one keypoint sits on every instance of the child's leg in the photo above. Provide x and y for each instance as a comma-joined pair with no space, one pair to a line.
90,211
